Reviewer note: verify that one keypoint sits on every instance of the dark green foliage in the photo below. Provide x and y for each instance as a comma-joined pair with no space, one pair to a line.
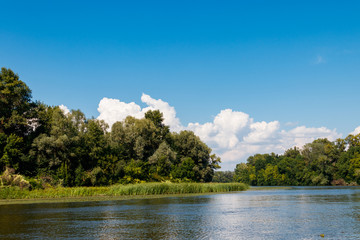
185,170
16,121
11,152
44,143
162,160
224,177
188,145
157,118
80,177
318,163
15,104
55,148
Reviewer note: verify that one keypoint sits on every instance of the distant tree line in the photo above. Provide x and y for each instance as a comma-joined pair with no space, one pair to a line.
321,162
223,177
43,142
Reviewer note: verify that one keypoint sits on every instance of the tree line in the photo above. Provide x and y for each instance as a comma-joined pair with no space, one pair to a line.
321,162
42,142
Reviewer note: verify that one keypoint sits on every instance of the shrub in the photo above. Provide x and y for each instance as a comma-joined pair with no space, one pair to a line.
9,178
35,184
338,182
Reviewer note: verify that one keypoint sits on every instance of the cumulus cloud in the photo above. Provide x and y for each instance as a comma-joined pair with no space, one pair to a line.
235,140
168,111
64,108
233,135
356,131
113,110
225,131
299,136
262,132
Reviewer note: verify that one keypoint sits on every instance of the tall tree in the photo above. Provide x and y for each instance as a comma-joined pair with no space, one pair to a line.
189,147
58,153
15,119
15,104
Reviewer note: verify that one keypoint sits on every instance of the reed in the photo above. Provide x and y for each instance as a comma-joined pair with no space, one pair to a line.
121,190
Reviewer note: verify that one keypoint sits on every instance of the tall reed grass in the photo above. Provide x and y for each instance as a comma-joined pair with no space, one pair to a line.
121,190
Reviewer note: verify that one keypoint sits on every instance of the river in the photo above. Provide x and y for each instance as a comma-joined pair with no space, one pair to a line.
295,213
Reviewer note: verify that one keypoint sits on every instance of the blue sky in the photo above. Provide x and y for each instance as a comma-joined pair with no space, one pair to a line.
295,62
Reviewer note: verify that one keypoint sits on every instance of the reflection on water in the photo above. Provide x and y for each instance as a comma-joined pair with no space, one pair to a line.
298,213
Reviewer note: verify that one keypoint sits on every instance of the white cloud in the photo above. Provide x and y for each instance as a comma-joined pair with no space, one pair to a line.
299,136
226,131
233,135
356,131
262,132
65,109
168,111
113,110
234,145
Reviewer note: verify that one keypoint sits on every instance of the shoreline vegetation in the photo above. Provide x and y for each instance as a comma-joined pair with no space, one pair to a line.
320,163
42,146
140,190
49,151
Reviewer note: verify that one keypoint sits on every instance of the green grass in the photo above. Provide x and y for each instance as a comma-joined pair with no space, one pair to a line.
121,190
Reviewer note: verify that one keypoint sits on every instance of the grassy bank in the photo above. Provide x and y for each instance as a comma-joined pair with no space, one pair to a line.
121,190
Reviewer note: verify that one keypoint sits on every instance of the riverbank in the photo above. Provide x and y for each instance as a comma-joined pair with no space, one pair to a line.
14,194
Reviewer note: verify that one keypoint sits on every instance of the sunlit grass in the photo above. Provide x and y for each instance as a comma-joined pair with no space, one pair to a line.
121,190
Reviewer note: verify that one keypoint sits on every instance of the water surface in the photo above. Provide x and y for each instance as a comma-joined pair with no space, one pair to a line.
297,213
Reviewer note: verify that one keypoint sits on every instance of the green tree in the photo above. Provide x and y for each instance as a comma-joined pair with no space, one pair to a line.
37,139
95,144
162,160
17,120
157,118
139,137
188,145
185,170
354,168
15,104
58,153
242,173
11,153
223,176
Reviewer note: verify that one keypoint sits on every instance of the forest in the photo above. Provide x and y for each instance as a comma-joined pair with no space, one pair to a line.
40,144
319,163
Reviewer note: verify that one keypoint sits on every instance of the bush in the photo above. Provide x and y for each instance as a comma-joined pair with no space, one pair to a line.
47,182
98,177
9,178
35,184
338,182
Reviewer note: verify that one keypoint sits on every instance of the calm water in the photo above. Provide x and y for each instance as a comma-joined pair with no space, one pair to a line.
299,213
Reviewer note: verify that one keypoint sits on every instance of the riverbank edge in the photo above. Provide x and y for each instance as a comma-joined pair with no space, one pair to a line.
4,202
14,195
